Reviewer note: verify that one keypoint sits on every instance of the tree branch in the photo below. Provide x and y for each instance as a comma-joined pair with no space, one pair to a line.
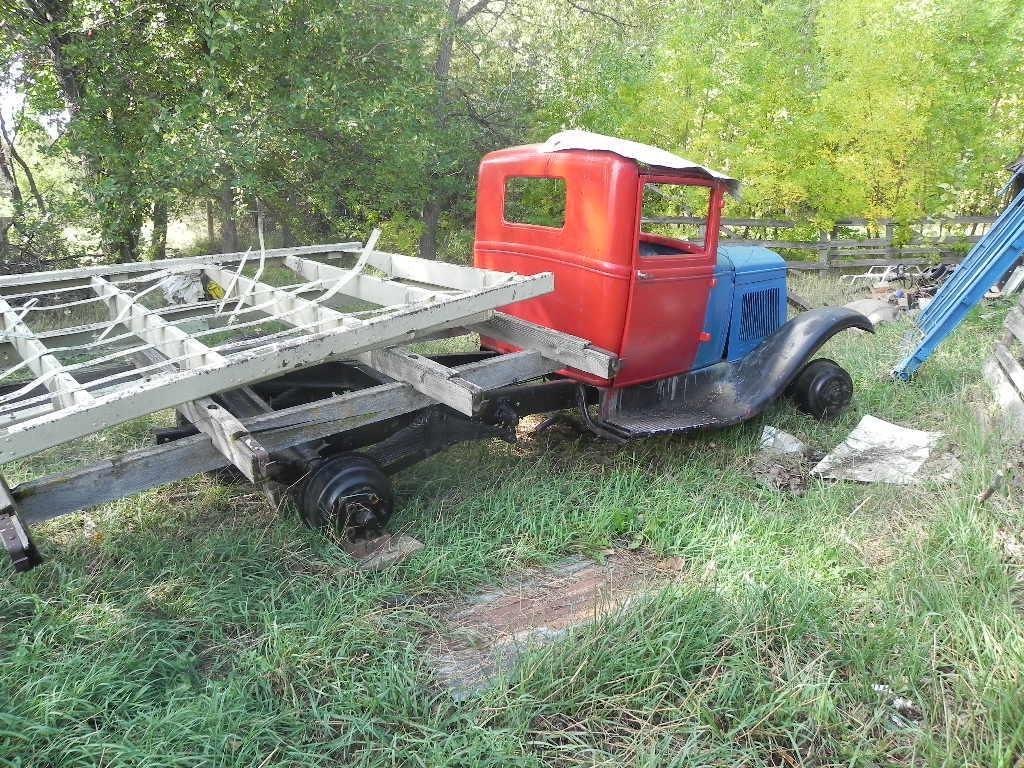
463,18
601,14
24,166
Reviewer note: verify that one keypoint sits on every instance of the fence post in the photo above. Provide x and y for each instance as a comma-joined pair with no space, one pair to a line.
825,255
890,250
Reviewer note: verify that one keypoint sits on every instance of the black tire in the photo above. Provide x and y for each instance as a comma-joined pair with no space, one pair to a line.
823,389
348,494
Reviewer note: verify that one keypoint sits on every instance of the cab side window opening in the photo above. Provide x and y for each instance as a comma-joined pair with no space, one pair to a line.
678,211
536,200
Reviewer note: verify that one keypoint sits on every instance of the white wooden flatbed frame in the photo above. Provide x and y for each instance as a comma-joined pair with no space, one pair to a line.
414,299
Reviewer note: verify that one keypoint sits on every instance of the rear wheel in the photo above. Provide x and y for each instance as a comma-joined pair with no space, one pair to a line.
823,389
349,494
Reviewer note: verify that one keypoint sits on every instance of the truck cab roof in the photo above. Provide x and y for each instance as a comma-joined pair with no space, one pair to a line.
645,155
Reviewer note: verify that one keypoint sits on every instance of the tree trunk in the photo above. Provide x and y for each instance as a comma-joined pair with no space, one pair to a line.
210,233
287,238
55,16
285,217
8,176
431,214
10,156
123,244
431,218
158,241
229,228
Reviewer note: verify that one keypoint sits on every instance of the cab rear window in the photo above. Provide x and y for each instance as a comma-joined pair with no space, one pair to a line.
679,211
536,200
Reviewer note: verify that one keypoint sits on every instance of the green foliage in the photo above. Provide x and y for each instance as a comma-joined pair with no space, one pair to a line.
826,110
537,201
342,116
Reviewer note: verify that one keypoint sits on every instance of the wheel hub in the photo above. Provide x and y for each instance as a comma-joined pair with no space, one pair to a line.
349,494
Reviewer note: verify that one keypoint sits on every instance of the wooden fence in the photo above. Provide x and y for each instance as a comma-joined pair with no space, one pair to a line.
854,243
843,247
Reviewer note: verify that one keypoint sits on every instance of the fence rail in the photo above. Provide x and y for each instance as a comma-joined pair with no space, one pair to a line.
944,239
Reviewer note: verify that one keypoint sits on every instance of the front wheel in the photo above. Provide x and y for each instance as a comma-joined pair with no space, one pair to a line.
823,389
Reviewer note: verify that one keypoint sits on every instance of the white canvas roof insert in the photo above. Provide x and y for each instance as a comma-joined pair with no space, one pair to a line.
634,150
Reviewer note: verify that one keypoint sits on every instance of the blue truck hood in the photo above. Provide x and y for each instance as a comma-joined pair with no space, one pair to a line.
747,302
750,263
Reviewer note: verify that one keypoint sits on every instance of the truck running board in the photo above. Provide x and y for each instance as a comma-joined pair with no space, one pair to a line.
660,421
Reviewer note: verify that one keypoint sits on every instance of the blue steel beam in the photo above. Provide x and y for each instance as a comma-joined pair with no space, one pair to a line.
989,259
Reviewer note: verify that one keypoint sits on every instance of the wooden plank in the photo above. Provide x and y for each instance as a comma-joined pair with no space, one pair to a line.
787,224
427,377
698,220
67,392
424,375
286,306
177,313
798,301
429,272
48,497
846,247
225,431
1015,323
264,362
1008,407
228,435
859,263
1010,366
571,351
166,338
362,286
791,245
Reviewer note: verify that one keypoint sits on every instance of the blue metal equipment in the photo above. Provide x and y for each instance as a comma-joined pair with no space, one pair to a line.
989,259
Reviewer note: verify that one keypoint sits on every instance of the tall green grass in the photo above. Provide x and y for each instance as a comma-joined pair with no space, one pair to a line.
191,625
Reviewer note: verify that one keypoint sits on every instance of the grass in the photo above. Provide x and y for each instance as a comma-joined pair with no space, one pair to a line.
191,626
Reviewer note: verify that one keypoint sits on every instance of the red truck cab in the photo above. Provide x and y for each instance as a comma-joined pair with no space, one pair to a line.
576,207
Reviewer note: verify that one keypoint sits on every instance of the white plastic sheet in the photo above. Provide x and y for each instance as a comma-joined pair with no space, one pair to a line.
774,440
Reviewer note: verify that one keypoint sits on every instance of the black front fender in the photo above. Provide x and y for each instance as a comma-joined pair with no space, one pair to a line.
728,393
773,365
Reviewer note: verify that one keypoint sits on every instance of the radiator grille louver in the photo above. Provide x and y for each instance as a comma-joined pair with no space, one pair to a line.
760,314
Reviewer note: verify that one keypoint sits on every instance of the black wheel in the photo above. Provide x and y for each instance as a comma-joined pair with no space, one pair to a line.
823,389
348,493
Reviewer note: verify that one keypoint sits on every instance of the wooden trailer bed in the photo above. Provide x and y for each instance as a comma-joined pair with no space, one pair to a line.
156,340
